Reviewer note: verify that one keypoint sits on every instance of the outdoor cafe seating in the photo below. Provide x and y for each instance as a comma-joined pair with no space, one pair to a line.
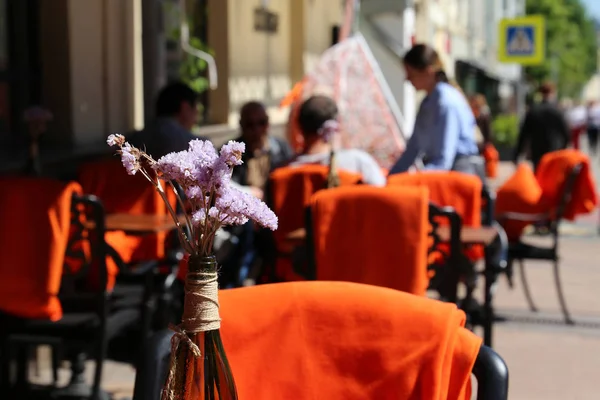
94,239
562,188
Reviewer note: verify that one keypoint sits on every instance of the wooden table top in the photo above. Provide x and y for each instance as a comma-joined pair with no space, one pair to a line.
484,235
139,223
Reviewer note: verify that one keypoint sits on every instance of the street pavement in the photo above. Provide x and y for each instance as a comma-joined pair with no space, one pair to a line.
547,359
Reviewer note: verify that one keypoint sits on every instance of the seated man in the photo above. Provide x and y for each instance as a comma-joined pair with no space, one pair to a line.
176,115
263,154
317,120
263,151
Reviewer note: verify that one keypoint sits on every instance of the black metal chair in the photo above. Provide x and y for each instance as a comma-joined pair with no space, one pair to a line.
456,266
92,316
521,251
490,370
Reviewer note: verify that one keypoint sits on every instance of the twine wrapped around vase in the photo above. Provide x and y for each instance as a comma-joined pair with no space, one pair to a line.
200,315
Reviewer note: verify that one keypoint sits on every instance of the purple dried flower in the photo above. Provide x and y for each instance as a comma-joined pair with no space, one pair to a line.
231,153
115,140
130,159
179,166
203,151
193,192
199,217
238,205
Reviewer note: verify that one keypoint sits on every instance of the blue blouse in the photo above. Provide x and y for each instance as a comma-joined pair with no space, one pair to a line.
444,129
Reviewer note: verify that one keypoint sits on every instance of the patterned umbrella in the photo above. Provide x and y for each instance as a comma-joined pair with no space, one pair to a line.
349,74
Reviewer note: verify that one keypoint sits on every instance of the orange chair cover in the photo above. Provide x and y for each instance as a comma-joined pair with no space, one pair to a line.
520,193
454,189
492,160
346,341
35,217
121,193
529,194
371,235
552,173
291,189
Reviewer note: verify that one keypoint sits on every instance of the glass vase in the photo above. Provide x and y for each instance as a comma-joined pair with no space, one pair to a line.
199,366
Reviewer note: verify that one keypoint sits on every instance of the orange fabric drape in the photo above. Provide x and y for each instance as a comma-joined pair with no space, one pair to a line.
377,236
35,221
294,95
454,189
492,160
121,193
345,341
290,190
529,194
552,174
520,193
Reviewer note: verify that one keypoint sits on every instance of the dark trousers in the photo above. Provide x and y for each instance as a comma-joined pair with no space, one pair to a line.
593,138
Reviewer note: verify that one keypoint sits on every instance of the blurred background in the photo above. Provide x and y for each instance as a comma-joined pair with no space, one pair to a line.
97,65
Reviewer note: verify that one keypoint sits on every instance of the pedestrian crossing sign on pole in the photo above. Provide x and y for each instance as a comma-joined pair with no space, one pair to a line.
522,40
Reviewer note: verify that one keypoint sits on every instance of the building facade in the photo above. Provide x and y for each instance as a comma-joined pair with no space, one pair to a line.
465,34
97,64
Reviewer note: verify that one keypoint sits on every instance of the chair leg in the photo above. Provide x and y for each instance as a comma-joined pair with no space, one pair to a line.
526,290
99,361
561,296
55,355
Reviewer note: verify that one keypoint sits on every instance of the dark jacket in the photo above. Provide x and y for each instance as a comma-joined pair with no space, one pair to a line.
279,154
544,129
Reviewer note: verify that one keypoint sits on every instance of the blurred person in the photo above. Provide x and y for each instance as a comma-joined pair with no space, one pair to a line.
482,114
444,132
264,152
544,128
593,127
176,113
577,120
317,118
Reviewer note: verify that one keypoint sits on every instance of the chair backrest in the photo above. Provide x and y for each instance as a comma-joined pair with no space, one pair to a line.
91,265
461,191
121,193
567,183
371,235
335,340
448,189
291,189
35,221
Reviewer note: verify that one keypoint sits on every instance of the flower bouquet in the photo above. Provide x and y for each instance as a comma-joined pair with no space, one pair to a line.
199,368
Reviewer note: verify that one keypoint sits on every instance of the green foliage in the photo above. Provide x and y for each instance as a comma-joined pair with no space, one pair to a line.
191,69
505,130
571,40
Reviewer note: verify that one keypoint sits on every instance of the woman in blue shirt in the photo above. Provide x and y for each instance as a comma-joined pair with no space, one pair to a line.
444,132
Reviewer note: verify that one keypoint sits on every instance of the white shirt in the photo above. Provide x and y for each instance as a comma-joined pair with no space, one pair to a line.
351,160
577,117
